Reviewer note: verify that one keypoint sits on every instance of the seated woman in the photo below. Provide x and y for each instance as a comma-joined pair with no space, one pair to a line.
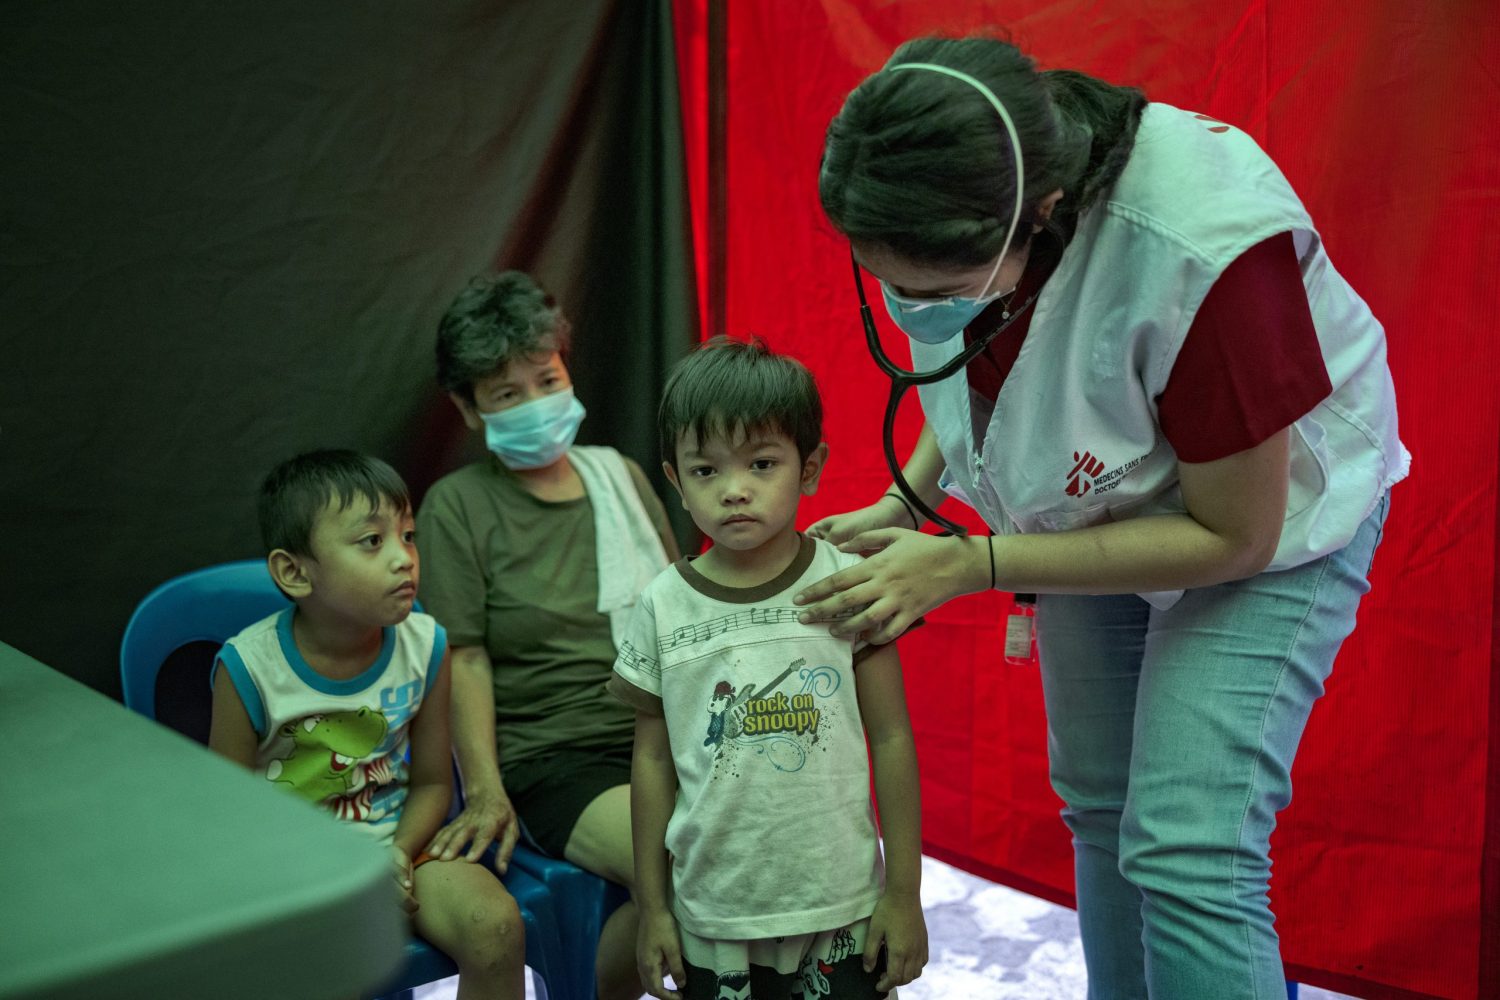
532,559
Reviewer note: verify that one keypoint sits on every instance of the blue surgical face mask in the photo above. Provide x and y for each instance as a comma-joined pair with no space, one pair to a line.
534,434
934,321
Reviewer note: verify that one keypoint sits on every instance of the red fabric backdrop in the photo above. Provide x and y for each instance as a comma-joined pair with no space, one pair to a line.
1381,114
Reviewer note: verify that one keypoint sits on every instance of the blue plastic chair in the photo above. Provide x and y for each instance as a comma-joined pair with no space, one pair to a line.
584,902
206,606
194,614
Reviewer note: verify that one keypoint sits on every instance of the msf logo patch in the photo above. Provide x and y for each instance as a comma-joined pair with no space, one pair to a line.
1086,468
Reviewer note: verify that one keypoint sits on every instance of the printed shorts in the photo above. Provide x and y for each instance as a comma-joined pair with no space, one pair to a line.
827,964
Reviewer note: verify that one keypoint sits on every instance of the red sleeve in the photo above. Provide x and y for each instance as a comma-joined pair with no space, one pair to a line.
1250,364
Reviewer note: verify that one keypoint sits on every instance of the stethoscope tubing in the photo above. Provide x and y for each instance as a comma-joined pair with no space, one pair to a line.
903,379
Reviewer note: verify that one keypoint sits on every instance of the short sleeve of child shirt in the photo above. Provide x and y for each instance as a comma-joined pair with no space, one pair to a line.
773,829
637,674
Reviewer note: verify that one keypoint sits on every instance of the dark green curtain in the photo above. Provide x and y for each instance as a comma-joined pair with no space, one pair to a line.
230,229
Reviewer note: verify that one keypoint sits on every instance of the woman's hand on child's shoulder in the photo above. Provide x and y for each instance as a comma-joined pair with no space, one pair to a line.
658,950
898,924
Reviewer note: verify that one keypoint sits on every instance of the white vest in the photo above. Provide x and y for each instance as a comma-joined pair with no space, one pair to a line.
1075,440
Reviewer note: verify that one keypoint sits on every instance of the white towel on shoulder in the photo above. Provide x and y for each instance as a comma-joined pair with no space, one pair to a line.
629,550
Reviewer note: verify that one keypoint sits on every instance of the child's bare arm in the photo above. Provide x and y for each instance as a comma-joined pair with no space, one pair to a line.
430,787
230,732
653,791
897,921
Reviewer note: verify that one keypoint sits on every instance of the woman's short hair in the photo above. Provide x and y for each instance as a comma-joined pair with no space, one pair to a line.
497,318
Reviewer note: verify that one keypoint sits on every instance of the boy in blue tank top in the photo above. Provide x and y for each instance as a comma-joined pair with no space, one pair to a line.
343,698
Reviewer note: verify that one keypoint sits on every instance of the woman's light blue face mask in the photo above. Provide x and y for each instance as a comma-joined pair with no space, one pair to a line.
534,434
936,320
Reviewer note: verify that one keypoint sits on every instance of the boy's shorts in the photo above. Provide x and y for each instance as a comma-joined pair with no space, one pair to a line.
801,967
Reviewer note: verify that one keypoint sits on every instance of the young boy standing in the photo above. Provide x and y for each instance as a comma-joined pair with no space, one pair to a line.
750,768
327,697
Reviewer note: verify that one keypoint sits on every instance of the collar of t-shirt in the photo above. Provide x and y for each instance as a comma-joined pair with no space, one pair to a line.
750,595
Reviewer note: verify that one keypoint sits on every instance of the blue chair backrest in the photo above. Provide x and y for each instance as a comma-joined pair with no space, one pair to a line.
205,606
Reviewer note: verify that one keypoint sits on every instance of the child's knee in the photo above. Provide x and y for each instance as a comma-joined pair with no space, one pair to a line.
493,928
473,919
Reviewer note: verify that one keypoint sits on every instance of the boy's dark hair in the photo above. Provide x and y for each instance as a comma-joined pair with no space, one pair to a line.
727,385
497,318
297,491
920,163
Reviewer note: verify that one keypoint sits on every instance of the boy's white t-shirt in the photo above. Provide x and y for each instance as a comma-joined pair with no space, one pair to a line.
341,744
773,830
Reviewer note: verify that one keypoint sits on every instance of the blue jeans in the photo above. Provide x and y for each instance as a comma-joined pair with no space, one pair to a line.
1171,736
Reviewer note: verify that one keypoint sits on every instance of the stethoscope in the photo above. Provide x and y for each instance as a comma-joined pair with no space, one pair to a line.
902,379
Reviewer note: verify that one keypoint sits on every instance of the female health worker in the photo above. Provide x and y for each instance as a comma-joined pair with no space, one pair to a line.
1182,432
